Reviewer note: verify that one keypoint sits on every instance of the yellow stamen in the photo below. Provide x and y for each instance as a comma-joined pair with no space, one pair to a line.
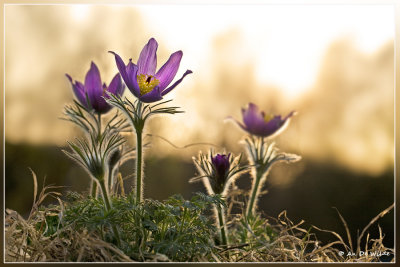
146,83
268,117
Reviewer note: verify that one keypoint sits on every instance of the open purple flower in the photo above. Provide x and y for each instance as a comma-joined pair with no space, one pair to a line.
92,93
258,123
143,80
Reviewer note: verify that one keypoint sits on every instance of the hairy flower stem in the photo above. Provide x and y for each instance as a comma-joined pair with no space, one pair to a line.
139,165
94,183
108,207
105,195
254,194
93,192
222,225
110,179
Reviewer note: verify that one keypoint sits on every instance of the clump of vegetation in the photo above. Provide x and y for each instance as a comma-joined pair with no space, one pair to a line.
175,228
79,229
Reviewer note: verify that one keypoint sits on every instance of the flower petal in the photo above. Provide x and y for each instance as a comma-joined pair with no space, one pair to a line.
131,72
237,122
152,96
93,86
276,126
101,106
128,74
270,127
147,62
116,86
121,67
168,71
166,91
79,90
252,117
292,113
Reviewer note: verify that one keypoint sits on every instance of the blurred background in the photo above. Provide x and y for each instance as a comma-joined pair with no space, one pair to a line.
333,64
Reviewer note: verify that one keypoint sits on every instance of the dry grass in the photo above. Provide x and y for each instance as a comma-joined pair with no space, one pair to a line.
26,240
30,240
296,244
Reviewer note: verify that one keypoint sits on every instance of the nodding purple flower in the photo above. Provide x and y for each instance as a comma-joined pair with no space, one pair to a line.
143,80
221,165
92,93
258,123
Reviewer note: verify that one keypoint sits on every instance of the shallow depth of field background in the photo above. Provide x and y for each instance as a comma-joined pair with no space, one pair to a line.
331,63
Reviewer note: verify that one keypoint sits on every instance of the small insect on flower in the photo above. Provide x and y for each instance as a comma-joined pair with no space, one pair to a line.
92,93
258,123
217,172
142,79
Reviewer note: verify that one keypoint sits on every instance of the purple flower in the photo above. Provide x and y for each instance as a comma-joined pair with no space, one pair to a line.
258,123
92,93
143,80
217,172
221,165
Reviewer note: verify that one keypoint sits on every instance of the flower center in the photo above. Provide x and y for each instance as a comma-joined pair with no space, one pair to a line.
146,83
268,117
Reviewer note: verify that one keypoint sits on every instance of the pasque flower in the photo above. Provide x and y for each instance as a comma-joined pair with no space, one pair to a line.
221,166
217,171
143,80
92,92
258,123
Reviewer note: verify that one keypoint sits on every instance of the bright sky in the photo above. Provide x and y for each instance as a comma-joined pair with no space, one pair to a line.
285,42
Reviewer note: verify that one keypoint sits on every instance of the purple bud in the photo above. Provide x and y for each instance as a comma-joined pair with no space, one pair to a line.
221,164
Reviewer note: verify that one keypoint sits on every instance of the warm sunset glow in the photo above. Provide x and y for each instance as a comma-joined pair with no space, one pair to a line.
79,12
285,43
314,59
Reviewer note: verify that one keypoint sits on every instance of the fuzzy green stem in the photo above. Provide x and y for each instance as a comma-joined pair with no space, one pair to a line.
139,165
93,192
110,179
108,207
254,193
105,195
221,219
94,183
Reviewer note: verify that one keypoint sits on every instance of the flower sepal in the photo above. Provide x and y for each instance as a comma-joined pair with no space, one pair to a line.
90,121
94,155
217,171
138,112
262,154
